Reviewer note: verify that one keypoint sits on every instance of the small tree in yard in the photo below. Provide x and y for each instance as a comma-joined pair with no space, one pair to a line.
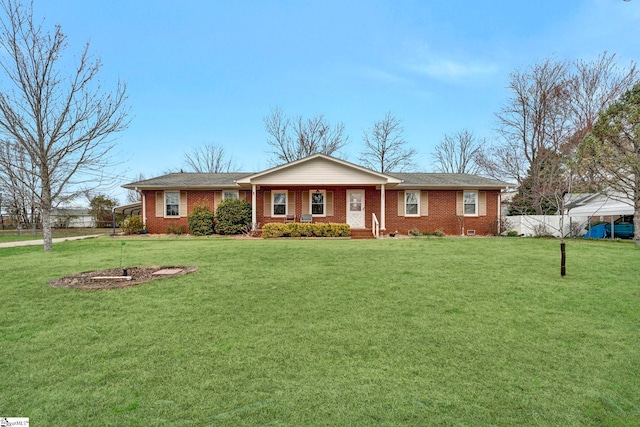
101,207
201,221
233,216
55,121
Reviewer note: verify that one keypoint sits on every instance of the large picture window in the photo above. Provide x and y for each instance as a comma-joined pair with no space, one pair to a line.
412,203
470,203
318,203
279,203
172,203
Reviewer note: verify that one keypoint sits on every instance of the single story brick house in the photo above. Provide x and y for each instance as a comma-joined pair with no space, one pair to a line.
332,190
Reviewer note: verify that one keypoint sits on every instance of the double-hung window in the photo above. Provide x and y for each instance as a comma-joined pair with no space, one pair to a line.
470,199
412,203
279,203
172,203
318,199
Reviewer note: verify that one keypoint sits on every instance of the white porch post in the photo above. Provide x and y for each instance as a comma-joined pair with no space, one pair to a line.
254,216
383,225
143,199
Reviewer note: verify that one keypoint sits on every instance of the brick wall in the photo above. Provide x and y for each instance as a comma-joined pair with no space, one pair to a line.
441,216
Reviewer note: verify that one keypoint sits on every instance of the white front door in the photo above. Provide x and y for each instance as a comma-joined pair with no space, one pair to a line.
355,208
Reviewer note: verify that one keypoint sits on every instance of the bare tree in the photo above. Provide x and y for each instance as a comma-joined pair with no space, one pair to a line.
18,182
292,140
385,148
552,106
61,120
458,153
209,158
612,150
132,195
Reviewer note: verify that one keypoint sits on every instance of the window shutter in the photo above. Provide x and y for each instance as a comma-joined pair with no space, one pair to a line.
329,203
217,199
159,204
266,212
424,203
305,203
401,205
482,203
291,202
459,203
183,203
242,195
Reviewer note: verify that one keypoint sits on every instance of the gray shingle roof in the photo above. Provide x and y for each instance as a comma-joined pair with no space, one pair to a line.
227,180
190,180
447,180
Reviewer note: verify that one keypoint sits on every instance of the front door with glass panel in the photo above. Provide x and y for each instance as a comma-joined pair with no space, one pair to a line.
355,208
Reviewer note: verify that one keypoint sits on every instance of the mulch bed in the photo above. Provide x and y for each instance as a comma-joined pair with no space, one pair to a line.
113,278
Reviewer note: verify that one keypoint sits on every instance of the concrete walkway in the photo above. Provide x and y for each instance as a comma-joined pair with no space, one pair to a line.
41,242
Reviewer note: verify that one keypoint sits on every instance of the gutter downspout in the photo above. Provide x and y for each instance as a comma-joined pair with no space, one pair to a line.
143,199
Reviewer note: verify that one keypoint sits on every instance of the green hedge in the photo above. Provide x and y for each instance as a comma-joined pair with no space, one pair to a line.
201,221
296,229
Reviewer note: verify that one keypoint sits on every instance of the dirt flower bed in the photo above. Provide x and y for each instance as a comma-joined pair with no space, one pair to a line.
114,278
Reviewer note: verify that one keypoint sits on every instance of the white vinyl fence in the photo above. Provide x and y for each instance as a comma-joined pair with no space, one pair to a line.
547,225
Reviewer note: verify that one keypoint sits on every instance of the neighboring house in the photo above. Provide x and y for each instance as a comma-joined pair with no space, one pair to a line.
72,217
331,190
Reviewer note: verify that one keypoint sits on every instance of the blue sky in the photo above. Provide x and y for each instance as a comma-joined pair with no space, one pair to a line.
208,71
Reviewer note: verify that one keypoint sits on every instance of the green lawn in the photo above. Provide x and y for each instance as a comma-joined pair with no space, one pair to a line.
415,332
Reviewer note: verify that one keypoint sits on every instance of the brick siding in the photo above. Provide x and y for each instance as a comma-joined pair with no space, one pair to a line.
441,216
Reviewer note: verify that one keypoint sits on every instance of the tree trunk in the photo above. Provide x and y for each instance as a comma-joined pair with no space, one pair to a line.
46,208
636,217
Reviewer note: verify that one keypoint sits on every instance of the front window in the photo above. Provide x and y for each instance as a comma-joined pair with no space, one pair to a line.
172,203
471,203
317,203
412,206
279,203
230,195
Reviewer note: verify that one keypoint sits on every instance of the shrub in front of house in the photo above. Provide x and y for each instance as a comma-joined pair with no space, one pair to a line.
175,228
294,229
233,216
133,224
201,221
436,233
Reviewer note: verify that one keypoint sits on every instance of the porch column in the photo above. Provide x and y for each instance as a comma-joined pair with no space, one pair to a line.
383,225
254,216
143,199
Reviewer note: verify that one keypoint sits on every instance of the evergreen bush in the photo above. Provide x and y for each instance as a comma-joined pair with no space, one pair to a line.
133,224
201,221
233,216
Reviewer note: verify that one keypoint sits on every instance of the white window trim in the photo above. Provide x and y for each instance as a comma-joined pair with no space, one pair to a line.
165,204
324,203
237,193
405,203
286,203
476,199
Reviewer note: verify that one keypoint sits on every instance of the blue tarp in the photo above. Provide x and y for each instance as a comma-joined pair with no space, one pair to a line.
596,232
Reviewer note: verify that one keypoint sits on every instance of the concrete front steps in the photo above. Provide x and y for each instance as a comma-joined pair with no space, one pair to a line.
362,233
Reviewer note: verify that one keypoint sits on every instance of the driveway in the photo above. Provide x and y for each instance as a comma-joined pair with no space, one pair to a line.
41,242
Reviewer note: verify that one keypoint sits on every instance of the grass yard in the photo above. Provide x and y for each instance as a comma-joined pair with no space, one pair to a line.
415,332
